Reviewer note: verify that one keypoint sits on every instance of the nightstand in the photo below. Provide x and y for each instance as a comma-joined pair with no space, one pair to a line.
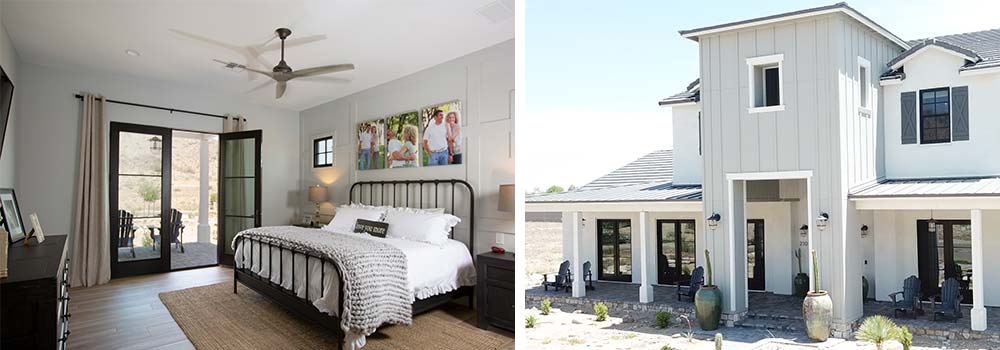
495,290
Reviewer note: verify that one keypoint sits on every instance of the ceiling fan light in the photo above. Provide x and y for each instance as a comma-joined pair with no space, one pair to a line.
132,53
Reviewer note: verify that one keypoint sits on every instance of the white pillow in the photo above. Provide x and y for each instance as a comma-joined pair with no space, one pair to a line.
346,217
422,227
391,208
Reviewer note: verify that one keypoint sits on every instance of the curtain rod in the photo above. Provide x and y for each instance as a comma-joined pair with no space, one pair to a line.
171,110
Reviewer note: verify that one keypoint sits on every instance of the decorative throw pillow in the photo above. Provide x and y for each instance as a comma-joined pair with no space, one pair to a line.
372,228
346,217
421,227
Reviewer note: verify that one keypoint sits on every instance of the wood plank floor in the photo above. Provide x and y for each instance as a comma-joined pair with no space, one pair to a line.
127,313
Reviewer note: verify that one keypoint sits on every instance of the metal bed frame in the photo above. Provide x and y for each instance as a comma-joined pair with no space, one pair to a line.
394,193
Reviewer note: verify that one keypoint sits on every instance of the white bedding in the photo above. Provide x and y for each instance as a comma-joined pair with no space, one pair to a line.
431,270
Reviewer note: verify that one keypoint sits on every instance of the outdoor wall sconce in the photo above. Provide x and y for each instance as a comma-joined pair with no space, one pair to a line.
823,221
864,231
932,224
804,231
713,221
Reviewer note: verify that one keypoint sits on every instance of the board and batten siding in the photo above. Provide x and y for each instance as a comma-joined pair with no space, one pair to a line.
812,133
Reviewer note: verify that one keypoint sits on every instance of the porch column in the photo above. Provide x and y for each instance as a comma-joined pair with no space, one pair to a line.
204,231
579,289
978,309
648,271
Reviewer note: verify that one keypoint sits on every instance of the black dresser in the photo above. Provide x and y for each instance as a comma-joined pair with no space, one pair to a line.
495,286
34,297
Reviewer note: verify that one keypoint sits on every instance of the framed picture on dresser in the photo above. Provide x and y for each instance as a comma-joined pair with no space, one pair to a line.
11,215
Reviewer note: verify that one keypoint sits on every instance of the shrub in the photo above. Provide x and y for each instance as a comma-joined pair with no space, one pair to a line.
905,337
546,306
877,329
530,322
601,311
718,341
667,347
663,319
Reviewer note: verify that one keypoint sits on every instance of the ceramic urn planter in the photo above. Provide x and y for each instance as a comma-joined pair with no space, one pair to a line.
708,301
817,310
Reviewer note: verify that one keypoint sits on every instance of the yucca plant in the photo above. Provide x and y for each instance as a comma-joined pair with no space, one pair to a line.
877,329
905,337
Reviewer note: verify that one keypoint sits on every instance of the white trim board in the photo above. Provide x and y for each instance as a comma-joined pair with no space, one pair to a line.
652,206
927,203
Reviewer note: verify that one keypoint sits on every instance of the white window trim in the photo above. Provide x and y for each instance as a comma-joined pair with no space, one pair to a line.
862,109
764,61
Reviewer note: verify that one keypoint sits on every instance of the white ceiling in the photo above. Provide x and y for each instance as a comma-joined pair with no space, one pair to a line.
384,39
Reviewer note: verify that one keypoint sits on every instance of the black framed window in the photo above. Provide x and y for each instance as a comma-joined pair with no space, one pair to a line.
935,116
323,152
675,248
614,250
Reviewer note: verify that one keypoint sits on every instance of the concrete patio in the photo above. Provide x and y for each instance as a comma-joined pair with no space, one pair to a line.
766,311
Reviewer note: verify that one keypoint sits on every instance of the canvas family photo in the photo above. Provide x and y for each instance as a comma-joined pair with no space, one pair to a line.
371,145
441,127
402,140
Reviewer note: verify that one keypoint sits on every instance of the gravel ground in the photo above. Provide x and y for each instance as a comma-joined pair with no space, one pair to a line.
543,249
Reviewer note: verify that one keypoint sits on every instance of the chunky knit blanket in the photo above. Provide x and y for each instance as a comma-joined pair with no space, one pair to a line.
374,273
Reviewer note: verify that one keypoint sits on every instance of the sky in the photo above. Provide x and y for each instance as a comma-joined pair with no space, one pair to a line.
594,71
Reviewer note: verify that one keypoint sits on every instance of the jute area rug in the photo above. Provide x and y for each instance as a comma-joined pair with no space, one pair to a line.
212,317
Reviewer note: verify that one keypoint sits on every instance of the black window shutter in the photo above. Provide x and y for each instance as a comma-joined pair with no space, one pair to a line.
908,109
960,113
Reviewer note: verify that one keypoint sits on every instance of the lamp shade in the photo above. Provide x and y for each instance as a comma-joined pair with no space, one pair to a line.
506,202
317,194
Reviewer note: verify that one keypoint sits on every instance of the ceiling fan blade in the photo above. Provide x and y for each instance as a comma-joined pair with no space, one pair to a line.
325,79
237,65
206,40
260,87
322,70
292,42
279,89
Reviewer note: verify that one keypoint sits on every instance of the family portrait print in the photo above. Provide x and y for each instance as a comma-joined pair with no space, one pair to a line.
441,134
371,145
402,140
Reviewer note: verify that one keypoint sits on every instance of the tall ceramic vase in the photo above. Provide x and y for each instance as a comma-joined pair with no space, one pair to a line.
708,301
817,308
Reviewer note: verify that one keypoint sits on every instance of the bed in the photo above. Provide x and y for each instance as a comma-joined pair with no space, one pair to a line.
311,285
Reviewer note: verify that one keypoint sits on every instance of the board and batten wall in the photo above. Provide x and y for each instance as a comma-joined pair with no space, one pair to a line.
48,136
483,81
687,156
809,134
10,62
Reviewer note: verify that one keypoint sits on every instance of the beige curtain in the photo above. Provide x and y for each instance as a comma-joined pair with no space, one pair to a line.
234,123
91,264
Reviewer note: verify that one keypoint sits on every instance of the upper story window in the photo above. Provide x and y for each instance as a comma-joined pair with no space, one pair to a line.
323,152
766,93
864,84
935,116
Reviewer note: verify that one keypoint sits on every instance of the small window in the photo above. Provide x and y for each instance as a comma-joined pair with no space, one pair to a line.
765,83
935,116
864,84
699,133
323,152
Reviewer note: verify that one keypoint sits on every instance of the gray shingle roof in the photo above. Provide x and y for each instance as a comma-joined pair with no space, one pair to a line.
691,94
646,192
949,187
982,46
657,166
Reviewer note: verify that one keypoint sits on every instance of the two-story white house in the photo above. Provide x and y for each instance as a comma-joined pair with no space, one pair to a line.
813,129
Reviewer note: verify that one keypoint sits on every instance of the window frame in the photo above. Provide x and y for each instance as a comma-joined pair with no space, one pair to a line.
921,116
764,63
865,87
316,152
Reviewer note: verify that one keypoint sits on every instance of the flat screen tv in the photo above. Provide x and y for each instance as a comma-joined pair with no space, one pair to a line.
6,98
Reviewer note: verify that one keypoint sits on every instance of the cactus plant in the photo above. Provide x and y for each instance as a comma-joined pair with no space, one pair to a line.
798,257
718,341
708,268
815,272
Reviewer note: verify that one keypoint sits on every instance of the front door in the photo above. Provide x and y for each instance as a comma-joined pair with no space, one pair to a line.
675,250
239,188
945,253
614,247
755,254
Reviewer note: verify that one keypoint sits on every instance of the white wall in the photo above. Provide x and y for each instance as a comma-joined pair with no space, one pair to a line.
934,69
10,63
687,157
483,80
47,152
895,239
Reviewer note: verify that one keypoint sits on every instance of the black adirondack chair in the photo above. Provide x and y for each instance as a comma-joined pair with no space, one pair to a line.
126,232
909,303
686,290
176,228
588,276
950,305
559,281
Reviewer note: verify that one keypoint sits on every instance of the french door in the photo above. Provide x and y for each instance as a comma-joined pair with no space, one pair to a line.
755,254
675,250
239,187
614,245
139,196
945,253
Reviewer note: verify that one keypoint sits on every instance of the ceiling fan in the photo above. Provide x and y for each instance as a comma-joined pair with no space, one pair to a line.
252,53
282,73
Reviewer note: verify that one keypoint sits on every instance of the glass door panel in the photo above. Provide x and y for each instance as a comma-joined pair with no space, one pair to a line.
676,251
240,187
755,254
139,198
615,250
